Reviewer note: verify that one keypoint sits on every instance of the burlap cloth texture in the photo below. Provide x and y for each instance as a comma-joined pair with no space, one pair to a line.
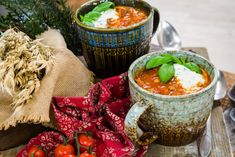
68,77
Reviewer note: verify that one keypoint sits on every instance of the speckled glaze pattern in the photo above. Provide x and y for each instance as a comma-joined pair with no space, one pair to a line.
110,52
175,120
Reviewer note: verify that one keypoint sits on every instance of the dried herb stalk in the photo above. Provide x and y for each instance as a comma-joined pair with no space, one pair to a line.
35,16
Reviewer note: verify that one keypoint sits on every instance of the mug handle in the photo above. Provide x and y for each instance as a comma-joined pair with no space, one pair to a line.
132,129
156,20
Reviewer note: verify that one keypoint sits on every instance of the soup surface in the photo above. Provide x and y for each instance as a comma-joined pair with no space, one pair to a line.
120,16
183,82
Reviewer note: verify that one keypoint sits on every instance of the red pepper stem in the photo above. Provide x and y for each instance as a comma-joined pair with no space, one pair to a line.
77,143
88,133
90,150
64,140
38,148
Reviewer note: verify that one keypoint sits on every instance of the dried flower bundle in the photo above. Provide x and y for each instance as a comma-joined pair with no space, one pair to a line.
23,64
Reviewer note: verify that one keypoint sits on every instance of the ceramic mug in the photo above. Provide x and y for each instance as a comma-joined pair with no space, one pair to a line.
110,51
172,120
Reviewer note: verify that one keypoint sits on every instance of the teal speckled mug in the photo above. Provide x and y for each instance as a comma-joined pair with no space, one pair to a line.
172,120
110,51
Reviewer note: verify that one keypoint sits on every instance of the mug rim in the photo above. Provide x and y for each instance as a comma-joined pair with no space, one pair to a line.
185,96
78,22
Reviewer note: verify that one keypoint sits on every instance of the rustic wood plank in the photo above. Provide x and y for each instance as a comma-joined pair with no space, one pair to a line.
199,50
220,141
11,152
156,150
227,106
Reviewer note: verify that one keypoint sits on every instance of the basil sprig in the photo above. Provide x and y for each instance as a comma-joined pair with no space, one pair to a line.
157,61
166,71
193,67
96,12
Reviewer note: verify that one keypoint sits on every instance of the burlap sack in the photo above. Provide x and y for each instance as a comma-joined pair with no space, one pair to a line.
68,77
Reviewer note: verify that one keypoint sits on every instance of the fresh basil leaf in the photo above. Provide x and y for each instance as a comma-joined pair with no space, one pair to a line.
103,6
166,72
156,61
88,23
96,12
193,67
174,58
183,60
92,15
81,17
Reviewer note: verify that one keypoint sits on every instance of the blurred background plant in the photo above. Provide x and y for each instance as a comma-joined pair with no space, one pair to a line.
35,16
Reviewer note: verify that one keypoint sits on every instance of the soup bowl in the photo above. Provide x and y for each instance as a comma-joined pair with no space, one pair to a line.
110,51
170,120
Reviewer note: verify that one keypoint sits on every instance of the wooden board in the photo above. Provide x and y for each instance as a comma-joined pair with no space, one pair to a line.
220,141
11,152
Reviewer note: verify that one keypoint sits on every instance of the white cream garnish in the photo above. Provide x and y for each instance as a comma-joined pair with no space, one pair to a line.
188,79
101,22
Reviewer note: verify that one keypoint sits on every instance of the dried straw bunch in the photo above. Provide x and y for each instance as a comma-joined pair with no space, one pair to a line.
23,63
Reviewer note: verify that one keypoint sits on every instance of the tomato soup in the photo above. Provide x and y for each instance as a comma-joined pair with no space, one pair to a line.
127,16
120,16
149,80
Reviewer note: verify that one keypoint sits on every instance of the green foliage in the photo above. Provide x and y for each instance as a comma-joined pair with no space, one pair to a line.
104,6
173,58
166,70
96,12
35,16
156,61
193,67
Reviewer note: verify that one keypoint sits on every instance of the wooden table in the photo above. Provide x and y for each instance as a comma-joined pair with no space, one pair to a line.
220,142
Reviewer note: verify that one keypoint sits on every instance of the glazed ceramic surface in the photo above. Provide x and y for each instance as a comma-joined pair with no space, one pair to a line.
111,51
172,120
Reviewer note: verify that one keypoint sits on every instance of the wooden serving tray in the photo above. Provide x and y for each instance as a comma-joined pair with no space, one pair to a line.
220,141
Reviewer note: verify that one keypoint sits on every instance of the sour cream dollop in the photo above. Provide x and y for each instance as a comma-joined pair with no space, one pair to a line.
188,79
101,22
